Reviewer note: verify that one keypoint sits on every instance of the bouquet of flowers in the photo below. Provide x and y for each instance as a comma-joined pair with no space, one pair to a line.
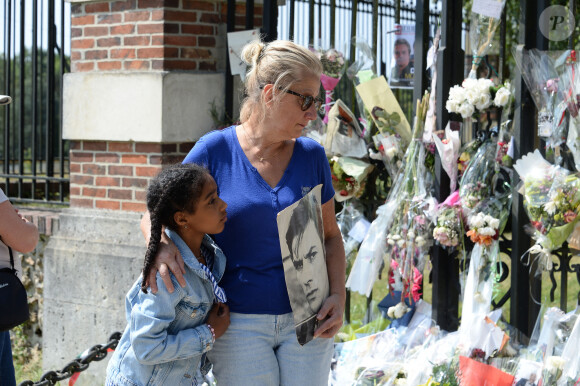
476,182
348,176
333,66
571,371
486,222
448,149
482,28
390,151
540,70
448,230
409,234
476,95
552,202
353,228
570,86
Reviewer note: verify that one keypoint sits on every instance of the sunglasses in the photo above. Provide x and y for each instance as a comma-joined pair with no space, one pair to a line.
307,101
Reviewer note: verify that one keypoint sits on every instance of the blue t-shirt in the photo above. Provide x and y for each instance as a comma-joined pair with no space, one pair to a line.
254,276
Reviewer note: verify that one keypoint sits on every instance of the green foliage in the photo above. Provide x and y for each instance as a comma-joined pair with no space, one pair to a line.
27,358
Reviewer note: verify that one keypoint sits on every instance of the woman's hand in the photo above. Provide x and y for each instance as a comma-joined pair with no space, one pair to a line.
167,259
331,315
219,318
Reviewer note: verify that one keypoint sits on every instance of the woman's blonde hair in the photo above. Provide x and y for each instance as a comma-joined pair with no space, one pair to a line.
281,63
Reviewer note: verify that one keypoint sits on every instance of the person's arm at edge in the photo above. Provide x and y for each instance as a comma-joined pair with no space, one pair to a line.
333,306
15,231
167,259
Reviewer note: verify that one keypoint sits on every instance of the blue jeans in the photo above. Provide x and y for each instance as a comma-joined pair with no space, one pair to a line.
7,377
263,350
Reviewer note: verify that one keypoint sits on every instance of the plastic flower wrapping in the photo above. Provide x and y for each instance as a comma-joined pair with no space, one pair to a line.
333,66
482,28
403,217
486,222
466,153
448,149
552,202
476,95
448,231
540,71
570,88
409,234
353,226
476,181
348,176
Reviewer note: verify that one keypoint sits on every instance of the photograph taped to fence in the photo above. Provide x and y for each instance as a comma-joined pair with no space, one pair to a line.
304,259
403,62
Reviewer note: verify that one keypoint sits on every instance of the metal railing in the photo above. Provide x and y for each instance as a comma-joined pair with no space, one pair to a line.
34,163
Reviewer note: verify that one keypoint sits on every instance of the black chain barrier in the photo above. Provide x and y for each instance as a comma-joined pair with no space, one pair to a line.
95,353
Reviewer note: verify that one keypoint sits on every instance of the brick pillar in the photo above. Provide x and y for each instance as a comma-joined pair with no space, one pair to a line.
144,75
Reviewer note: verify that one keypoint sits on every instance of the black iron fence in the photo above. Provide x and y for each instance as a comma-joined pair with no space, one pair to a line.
33,58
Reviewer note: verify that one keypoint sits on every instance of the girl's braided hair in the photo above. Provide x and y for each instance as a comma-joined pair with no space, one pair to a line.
177,188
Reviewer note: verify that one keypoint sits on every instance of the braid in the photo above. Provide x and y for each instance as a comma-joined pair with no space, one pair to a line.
176,188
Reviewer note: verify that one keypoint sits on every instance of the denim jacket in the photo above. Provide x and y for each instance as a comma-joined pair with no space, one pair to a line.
166,339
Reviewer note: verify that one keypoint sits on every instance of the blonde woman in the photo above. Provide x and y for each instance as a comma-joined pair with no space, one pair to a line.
261,167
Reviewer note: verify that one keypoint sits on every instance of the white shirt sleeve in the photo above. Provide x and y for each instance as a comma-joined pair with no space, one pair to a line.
2,196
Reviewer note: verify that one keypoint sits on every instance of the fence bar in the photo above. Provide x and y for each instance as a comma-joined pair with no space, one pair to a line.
332,23
291,22
311,23
270,20
21,96
421,47
34,96
249,14
50,104
449,72
230,26
523,310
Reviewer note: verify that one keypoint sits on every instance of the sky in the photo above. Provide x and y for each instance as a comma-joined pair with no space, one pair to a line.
42,20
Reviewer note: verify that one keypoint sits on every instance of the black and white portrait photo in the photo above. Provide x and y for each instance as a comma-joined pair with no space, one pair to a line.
301,242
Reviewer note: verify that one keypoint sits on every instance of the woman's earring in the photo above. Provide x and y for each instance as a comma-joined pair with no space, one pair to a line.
185,226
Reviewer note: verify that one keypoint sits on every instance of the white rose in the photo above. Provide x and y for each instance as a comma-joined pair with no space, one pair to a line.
391,152
400,310
502,97
390,242
471,96
483,101
420,241
483,85
466,110
554,362
396,237
410,235
457,94
400,243
476,221
486,231
391,312
494,223
469,83
452,106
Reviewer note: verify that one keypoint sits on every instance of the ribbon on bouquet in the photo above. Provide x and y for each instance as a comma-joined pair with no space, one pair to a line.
328,83
542,259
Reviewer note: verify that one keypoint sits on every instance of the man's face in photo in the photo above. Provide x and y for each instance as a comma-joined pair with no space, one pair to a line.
402,55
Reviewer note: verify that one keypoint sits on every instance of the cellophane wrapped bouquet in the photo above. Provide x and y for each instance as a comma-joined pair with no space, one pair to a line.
570,87
333,67
409,233
483,25
448,231
476,181
540,71
389,144
552,202
486,222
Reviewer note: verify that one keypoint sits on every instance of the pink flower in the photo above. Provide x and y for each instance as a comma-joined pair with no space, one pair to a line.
569,216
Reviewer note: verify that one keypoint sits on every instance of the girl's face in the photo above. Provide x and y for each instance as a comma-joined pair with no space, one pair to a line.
210,214
288,113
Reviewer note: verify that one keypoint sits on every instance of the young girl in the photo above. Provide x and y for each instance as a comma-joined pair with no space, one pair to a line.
168,334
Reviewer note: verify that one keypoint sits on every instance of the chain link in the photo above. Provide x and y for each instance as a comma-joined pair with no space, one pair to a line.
95,353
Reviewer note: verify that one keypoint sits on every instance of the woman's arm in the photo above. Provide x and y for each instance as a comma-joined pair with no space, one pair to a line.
15,231
167,259
333,308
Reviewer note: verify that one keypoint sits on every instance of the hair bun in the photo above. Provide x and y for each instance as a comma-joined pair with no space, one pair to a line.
252,51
